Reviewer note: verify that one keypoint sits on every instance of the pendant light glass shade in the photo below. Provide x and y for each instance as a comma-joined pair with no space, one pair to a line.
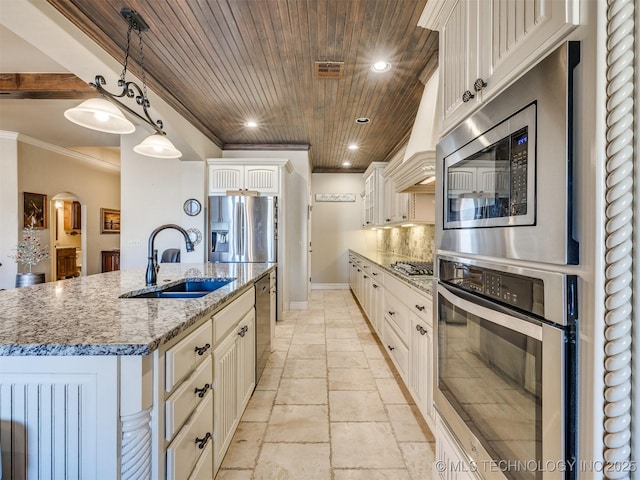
158,146
99,114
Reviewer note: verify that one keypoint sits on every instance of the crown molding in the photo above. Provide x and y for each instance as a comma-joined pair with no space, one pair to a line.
20,137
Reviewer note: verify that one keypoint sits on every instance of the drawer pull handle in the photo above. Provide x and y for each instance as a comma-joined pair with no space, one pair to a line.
467,95
202,442
203,390
420,307
421,330
374,273
243,330
375,286
391,349
201,350
391,313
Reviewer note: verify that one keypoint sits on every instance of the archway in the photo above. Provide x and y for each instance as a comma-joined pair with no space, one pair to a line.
68,236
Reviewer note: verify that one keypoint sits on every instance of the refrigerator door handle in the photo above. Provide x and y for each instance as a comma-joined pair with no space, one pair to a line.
238,229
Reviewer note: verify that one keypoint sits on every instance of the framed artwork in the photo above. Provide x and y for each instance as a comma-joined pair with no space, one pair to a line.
35,210
335,197
109,221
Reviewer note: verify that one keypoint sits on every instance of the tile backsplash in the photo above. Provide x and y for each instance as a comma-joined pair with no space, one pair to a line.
416,242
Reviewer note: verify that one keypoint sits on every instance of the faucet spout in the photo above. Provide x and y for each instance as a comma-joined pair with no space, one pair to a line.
152,263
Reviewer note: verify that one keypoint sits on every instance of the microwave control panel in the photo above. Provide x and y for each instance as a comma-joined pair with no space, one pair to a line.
519,162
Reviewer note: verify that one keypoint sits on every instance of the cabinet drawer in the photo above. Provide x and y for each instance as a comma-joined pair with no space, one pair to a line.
397,349
232,314
421,305
184,451
395,311
182,402
377,276
184,356
204,467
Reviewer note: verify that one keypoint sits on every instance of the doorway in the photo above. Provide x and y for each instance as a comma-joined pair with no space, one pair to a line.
68,238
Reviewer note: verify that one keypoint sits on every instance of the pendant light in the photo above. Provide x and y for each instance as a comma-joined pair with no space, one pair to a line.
104,113
157,145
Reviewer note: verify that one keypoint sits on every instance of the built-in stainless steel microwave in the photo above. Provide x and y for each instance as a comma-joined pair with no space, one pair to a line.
490,182
505,175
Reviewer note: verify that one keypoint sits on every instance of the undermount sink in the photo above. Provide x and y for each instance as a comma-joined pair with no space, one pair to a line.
193,288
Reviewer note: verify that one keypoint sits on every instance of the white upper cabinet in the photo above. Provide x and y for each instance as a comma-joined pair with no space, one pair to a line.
374,195
485,45
260,175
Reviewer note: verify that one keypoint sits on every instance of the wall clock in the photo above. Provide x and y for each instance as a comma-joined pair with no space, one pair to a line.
192,207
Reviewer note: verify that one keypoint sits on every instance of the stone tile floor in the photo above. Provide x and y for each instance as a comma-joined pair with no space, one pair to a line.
329,405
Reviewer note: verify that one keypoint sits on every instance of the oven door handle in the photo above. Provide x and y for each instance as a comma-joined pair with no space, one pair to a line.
484,309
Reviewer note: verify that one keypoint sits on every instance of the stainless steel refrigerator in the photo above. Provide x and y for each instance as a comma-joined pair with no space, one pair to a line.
242,228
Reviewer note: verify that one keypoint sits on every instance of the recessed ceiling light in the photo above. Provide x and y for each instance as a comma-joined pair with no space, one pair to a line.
380,67
250,124
362,120
346,164
353,146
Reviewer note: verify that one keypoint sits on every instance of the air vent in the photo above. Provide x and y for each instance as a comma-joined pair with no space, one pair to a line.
329,69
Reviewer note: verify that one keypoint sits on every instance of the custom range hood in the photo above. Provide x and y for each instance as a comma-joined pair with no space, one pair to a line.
417,172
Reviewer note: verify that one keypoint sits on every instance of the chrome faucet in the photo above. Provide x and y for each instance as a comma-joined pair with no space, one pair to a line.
152,262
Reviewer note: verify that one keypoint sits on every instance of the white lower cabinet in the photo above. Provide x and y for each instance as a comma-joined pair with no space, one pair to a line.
185,450
451,463
205,380
421,365
402,317
234,373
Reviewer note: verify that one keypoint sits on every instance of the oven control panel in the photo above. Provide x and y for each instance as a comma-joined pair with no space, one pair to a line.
524,293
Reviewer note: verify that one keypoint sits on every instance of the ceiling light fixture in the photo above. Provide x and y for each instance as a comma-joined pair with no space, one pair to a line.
250,124
353,146
346,164
105,112
381,66
362,120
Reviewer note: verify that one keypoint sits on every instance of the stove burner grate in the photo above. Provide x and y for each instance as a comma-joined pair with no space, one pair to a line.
414,268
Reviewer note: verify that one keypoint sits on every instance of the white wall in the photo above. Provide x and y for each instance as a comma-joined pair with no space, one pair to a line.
153,193
336,227
8,207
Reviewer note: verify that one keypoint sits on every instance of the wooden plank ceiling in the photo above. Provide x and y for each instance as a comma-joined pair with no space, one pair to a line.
221,63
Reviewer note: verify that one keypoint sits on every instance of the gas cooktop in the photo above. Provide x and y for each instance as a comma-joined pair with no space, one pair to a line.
414,268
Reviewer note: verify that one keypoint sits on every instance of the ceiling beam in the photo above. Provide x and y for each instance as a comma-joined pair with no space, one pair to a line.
44,86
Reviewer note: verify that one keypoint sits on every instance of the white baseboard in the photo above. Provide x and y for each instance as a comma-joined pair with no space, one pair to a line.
298,305
329,286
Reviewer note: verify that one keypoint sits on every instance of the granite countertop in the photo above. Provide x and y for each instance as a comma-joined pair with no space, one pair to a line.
86,316
384,260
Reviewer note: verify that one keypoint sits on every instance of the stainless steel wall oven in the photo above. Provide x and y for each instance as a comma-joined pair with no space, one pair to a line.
506,313
506,367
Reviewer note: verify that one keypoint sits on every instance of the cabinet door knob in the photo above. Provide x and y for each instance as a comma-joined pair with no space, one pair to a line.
202,442
420,307
201,350
243,330
479,84
375,274
201,391
391,349
467,95
375,286
391,313
421,330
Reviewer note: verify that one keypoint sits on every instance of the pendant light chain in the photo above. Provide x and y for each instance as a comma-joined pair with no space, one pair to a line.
144,73
126,57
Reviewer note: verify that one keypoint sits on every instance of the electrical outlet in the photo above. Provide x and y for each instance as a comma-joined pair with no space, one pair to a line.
134,243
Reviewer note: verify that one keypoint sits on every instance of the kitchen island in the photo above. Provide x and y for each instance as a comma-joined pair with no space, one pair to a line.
90,382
